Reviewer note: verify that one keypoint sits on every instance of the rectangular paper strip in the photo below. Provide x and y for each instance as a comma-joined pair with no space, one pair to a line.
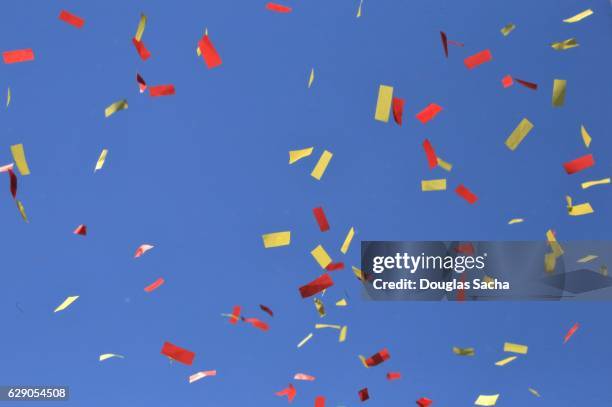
580,16
590,184
347,240
20,159
322,164
101,160
321,256
383,104
518,134
558,95
433,185
504,362
115,107
579,164
66,303
480,58
276,239
587,259
71,19
515,348
484,400
20,55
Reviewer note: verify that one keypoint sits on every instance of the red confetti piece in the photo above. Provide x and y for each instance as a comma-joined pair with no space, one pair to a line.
316,286
209,53
142,50
71,19
161,90
320,401
335,266
289,392
20,55
507,81
278,8
235,314
571,332
142,85
478,59
304,376
466,194
432,159
465,248
378,358
363,394
398,110
177,353
424,402
257,323
266,310
80,230
429,113
321,219
579,164
155,285
530,85
13,182
142,249
444,42
394,375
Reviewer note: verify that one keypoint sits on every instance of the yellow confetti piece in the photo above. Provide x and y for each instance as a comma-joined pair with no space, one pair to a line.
303,341
587,258
296,155
341,303
484,400
507,29
444,165
534,392
320,307
347,240
504,362
554,245
563,45
325,326
276,239
586,137
580,16
518,134
105,356
8,97
515,220
550,261
359,9
515,348
363,361
590,184
321,256
433,185
66,303
115,107
322,164
358,273
342,336
20,159
101,160
383,104
580,210
463,351
558,95
142,24
22,211
311,78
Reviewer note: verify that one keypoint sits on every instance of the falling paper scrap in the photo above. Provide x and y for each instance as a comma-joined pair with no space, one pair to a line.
177,353
296,155
276,239
505,361
558,95
142,85
278,8
578,210
433,185
430,153
66,303
515,220
466,194
257,323
578,17
306,339
424,402
507,29
142,24
534,392
71,19
347,240
80,230
383,104
101,159
19,156
321,219
154,285
115,107
364,394
394,375
267,310
142,249
289,392
586,137
579,164
518,134
319,401
303,376
429,113
587,259
515,348
311,78
20,55
200,375
398,110
589,184
321,256
480,58
564,45
161,90
321,165
209,53
316,286
105,356
463,351
444,165
375,359
571,332
142,50
484,400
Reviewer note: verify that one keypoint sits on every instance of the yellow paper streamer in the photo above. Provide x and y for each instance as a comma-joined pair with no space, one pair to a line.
320,307
347,240
590,184
484,400
311,78
141,27
515,348
66,303
101,160
342,336
433,185
105,356
554,245
20,159
296,155
533,391
558,95
115,107
303,341
324,326
563,45
359,9
446,166
504,362
358,273
321,256
580,16
383,104
276,239
22,210
341,303
507,29
587,258
518,134
515,220
8,97
586,137
463,351
579,210
322,164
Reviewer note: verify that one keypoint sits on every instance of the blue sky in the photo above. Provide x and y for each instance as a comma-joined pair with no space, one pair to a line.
202,174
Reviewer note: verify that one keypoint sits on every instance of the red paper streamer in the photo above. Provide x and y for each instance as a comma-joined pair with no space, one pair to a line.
466,194
429,113
363,394
321,219
81,230
155,285
142,85
257,323
507,81
335,266
235,314
571,332
13,183
20,55
424,402
71,19
267,310
394,375
209,53
316,286
478,59
289,392
579,164
320,401
398,110
142,50
432,159
530,85
279,8
378,358
161,90
177,353
444,42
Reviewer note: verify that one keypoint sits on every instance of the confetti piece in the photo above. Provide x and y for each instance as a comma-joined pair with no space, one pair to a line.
19,156
507,29
295,155
429,113
257,323
320,307
101,160
466,194
321,165
558,95
142,50
311,78
507,81
8,97
267,310
554,245
22,210
504,362
66,303
564,45
12,182
424,402
319,401
209,53
6,167
398,110
586,137
321,256
480,58
444,165
80,230
433,185
115,107
71,19
316,286
515,348
161,90
105,356
587,259
589,184
432,160
578,17
359,274
304,376
342,335
534,392
394,375
276,239
327,326
303,341
341,303
375,359
444,40
20,55
155,285
335,266
518,134
321,219
579,164
235,315
530,85
347,240
383,104
515,220
359,9
142,24
142,85
142,249
364,394
578,210
200,375
177,353
289,392
571,332
484,400
278,8
463,351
